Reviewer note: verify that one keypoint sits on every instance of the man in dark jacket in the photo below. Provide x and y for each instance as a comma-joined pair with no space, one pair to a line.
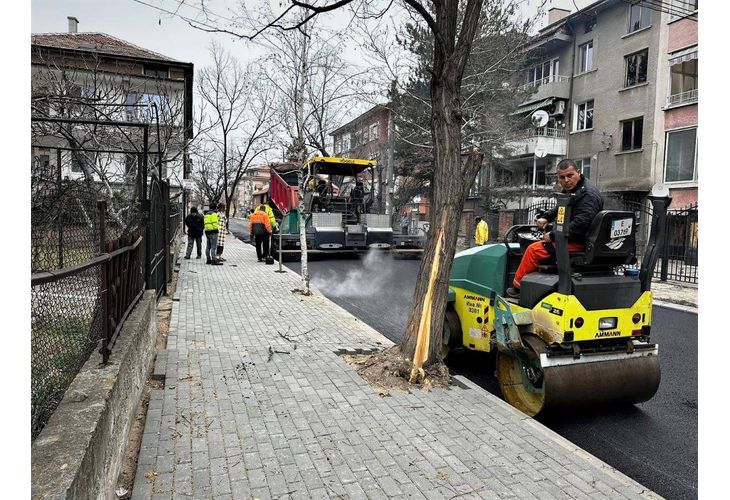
588,202
194,223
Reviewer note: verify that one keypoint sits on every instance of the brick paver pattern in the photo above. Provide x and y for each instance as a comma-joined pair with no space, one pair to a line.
258,404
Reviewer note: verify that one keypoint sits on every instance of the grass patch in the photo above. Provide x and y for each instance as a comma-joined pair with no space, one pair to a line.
59,346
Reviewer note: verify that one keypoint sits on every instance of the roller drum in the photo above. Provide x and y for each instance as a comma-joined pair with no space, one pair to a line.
537,382
615,381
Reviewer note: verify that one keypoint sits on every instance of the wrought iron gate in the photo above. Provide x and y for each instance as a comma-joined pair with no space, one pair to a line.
156,208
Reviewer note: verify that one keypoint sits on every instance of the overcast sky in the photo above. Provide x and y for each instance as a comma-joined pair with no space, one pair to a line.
154,30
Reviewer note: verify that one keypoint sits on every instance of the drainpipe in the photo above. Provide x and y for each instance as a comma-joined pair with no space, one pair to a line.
390,178
569,121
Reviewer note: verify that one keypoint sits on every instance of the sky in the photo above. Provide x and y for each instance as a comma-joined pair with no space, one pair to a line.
154,30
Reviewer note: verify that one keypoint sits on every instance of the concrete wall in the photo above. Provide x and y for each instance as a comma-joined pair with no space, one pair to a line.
682,34
614,103
79,452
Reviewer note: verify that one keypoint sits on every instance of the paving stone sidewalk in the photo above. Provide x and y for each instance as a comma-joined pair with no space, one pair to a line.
258,404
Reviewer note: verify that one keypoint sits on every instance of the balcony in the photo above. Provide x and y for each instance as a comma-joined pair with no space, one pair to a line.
682,98
551,140
551,86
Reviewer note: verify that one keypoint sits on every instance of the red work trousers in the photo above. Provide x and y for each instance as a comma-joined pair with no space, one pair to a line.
535,254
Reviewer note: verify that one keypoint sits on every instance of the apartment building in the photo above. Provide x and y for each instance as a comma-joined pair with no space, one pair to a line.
680,107
95,76
367,137
618,81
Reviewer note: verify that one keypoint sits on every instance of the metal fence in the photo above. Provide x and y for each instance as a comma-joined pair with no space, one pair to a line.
175,232
157,210
74,307
66,325
678,258
90,262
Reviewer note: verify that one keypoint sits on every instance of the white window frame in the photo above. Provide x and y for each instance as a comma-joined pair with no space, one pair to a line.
585,64
666,157
681,96
644,9
553,68
576,111
676,7
374,131
633,131
337,146
582,162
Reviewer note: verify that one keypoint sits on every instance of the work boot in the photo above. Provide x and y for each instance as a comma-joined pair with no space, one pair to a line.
217,263
208,261
513,292
187,257
197,257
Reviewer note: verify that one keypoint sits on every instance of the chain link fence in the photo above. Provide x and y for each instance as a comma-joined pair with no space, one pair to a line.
67,312
66,326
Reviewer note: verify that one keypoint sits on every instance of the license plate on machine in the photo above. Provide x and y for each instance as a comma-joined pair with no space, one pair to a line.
621,227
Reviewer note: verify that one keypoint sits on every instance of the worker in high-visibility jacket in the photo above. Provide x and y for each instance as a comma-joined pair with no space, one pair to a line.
270,213
259,227
481,234
211,226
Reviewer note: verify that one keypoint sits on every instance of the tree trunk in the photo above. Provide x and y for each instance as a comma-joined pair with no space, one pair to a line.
448,191
299,103
451,181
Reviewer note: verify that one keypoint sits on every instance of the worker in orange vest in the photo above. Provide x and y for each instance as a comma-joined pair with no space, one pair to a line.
259,227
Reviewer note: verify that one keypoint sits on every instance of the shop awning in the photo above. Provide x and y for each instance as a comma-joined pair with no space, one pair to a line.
683,55
531,107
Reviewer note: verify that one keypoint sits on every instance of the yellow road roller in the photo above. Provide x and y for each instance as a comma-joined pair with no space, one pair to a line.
579,335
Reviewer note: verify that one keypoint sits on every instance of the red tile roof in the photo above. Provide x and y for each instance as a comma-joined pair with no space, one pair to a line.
96,42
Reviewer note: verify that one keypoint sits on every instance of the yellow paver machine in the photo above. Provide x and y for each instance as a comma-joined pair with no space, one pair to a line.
579,334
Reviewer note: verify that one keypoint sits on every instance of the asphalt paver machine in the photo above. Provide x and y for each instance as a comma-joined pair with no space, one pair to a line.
579,334
338,208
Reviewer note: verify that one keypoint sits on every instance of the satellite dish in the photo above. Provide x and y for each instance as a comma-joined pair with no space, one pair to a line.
539,118
659,190
540,152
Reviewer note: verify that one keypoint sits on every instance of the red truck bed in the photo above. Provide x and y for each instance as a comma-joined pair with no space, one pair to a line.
284,190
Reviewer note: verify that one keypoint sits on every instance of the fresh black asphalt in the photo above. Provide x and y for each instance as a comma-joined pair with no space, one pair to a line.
655,443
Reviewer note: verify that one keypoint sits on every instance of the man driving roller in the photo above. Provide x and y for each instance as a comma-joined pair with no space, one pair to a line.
587,203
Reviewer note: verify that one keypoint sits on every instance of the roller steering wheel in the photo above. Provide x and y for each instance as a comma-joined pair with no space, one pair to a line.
522,232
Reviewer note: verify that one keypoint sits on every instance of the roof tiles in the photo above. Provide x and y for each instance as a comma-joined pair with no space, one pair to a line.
96,42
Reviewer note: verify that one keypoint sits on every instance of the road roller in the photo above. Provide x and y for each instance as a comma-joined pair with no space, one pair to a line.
579,335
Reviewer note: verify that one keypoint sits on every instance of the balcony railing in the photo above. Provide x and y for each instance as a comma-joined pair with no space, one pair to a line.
551,140
557,133
547,132
542,81
682,98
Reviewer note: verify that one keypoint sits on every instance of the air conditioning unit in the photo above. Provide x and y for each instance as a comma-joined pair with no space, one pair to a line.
559,108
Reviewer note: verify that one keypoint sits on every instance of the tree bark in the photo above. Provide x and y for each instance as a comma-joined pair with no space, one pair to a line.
451,178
